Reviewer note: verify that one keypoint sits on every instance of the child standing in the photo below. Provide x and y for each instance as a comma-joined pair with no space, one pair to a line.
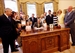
55,19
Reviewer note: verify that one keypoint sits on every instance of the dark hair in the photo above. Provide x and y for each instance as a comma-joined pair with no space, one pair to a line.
49,10
13,12
54,12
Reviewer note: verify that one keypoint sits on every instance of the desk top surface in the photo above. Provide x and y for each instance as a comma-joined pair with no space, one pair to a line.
38,32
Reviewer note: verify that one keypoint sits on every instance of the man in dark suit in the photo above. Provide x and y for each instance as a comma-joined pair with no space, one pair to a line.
49,18
8,32
33,19
70,23
38,24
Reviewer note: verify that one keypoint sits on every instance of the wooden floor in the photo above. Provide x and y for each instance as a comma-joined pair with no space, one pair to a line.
71,50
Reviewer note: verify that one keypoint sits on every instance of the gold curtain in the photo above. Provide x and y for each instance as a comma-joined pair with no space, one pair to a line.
1,7
39,5
39,8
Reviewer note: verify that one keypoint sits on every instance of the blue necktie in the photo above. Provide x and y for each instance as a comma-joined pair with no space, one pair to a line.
9,18
32,19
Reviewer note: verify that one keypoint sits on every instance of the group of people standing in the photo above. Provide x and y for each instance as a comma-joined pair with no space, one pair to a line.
8,31
11,25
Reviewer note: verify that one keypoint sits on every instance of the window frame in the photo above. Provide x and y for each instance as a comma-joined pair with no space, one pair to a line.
35,9
49,9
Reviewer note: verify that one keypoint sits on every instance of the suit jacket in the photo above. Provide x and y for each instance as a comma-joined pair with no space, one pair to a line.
38,25
49,19
7,28
33,21
70,20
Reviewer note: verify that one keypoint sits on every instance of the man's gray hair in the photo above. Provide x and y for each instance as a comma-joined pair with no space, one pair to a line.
7,9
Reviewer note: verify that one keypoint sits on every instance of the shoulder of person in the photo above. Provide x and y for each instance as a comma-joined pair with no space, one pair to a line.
35,18
30,18
52,14
35,24
1,16
47,16
73,12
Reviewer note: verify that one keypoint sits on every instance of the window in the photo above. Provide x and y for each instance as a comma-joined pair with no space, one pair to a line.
12,4
31,9
48,6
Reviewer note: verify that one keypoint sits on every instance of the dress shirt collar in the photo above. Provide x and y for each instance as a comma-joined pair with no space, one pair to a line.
6,15
50,15
69,12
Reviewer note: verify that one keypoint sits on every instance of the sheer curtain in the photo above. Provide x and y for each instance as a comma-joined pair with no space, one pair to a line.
31,9
48,6
12,4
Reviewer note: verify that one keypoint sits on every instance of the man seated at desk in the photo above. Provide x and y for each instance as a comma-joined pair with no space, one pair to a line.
38,24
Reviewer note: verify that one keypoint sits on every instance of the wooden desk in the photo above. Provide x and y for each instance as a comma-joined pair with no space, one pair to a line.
46,41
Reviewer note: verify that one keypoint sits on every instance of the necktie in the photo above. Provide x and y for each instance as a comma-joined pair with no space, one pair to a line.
9,18
32,19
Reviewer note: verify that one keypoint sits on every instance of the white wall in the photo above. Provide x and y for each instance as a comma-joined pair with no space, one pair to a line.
63,4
